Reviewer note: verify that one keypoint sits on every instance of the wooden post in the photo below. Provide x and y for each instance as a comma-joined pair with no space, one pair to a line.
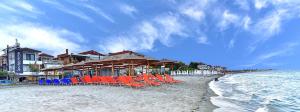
46,74
132,68
129,70
142,70
96,70
112,69
100,70
147,67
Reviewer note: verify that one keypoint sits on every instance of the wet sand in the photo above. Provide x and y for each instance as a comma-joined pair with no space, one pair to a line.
192,95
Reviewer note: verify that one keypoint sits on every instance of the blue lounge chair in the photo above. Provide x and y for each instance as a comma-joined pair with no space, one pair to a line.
56,81
41,82
65,81
48,82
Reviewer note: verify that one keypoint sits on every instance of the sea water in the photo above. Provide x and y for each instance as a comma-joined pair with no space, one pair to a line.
273,91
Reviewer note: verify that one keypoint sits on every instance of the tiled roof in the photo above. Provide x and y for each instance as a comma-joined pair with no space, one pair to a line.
92,52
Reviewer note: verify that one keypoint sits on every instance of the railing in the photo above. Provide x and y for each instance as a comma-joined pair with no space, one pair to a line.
196,73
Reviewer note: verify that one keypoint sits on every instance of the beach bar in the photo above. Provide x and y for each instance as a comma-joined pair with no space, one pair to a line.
122,68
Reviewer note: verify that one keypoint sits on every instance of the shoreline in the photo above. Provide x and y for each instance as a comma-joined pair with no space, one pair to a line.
205,104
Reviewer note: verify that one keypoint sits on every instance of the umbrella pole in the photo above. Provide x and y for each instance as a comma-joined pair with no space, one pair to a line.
132,74
96,70
129,70
147,67
112,69
100,71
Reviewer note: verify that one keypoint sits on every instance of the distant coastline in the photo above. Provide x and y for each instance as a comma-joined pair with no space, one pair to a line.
247,71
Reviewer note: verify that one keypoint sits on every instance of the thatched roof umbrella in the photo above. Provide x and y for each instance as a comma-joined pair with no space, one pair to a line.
165,62
149,61
96,64
131,61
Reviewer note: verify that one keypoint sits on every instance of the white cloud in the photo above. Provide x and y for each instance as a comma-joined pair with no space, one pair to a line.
227,19
243,4
269,25
19,7
100,12
231,43
202,40
145,34
40,37
168,25
128,9
259,4
193,12
246,22
76,13
287,49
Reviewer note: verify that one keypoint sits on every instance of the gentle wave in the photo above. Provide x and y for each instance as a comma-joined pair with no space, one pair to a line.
275,91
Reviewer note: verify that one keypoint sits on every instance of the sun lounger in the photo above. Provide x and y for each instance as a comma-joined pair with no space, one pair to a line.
161,79
171,79
65,81
56,82
87,79
48,82
41,82
111,80
150,82
125,81
74,80
95,80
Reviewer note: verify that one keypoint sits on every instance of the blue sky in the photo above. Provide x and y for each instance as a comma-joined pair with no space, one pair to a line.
232,33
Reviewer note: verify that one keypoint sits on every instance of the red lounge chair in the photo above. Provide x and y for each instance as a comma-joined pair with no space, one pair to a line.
95,80
87,79
111,80
124,80
150,82
161,78
171,79
104,80
74,81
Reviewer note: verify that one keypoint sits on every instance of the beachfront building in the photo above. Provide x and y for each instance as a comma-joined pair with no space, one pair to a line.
67,58
20,61
48,61
3,62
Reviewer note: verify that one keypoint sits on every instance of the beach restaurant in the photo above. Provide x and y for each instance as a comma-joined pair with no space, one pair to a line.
121,68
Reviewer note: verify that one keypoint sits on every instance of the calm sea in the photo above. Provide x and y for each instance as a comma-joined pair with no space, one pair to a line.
275,91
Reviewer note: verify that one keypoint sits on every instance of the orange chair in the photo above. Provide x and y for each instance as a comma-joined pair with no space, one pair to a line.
111,80
74,81
161,78
150,82
87,79
171,79
125,80
95,80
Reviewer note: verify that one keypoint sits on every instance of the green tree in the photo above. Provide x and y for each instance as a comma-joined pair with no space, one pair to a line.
34,68
179,66
3,74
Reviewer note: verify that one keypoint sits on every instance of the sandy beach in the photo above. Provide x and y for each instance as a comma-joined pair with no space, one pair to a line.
192,95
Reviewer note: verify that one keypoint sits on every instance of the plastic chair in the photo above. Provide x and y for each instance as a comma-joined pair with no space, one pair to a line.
56,82
48,82
41,82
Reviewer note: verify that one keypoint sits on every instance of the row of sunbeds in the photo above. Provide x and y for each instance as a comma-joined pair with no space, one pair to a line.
130,81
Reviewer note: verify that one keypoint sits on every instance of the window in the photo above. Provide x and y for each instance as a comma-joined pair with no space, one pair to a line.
30,57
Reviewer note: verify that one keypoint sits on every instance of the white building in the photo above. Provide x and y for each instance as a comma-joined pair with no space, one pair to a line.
20,59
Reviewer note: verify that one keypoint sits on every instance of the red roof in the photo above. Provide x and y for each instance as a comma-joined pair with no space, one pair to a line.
124,52
46,55
92,52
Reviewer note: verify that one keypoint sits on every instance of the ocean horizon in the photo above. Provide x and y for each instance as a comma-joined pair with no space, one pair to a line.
272,91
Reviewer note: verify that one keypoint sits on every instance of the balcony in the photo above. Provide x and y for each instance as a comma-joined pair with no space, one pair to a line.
27,62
